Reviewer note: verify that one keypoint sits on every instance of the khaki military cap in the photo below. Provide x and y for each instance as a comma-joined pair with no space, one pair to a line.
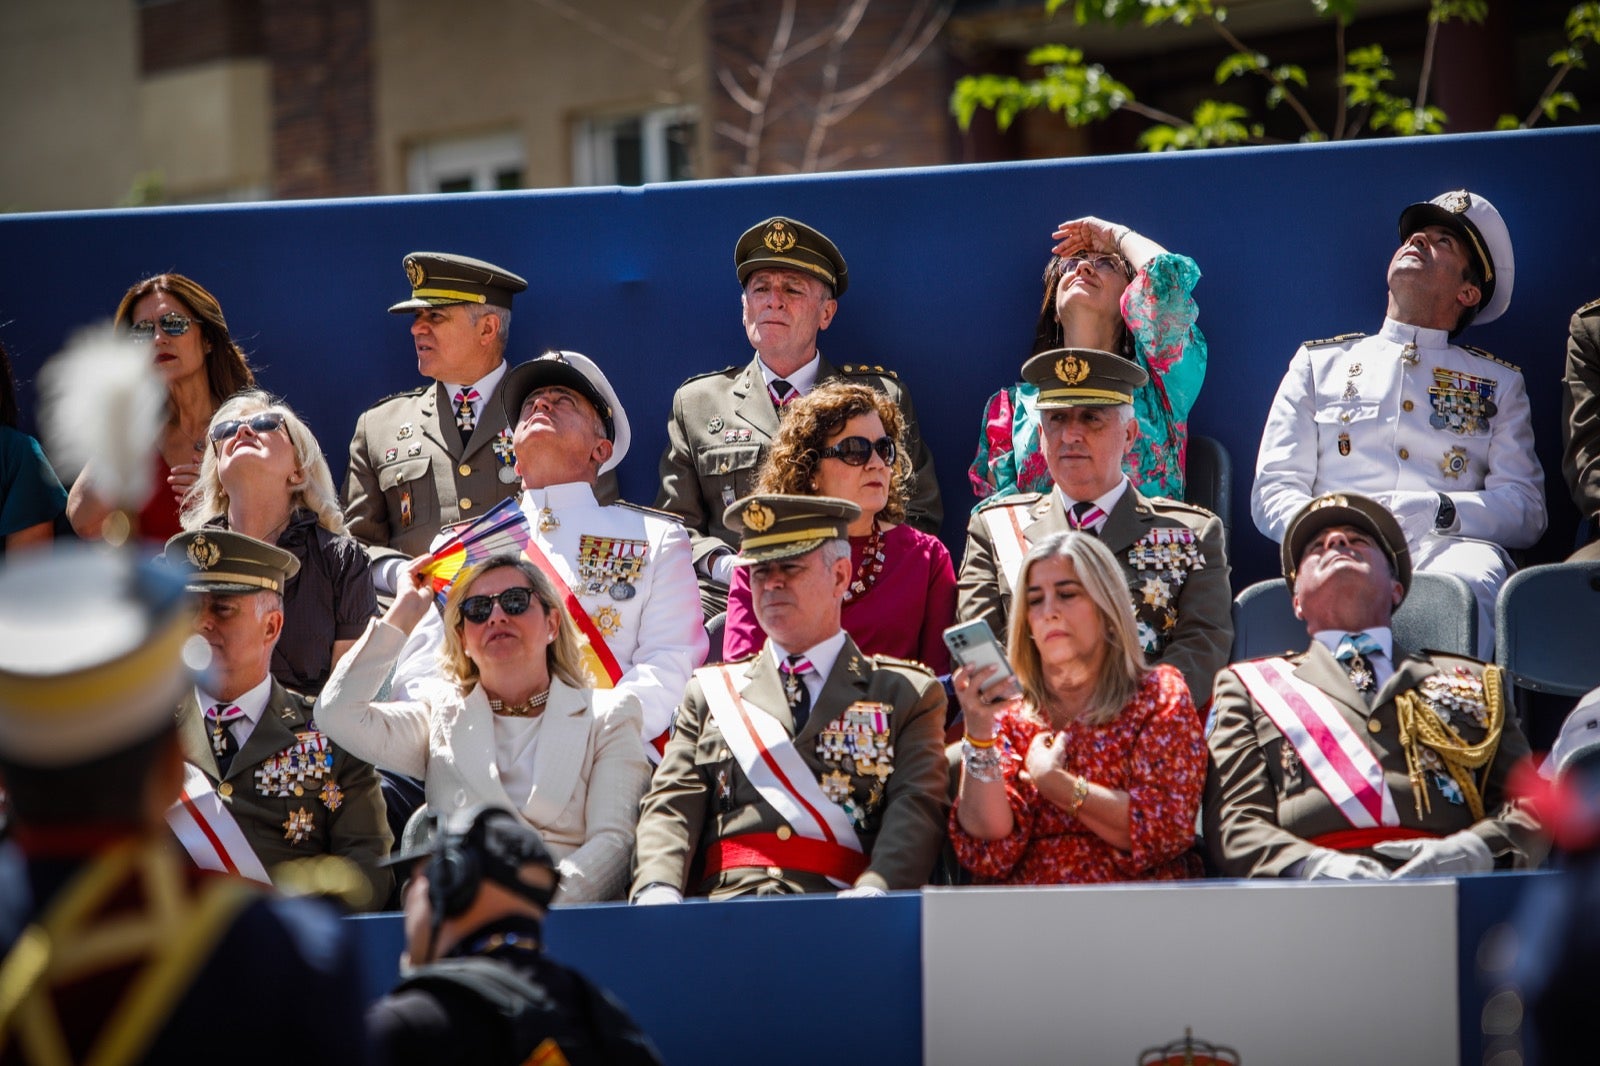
218,560
776,527
1082,377
438,279
787,244
1345,509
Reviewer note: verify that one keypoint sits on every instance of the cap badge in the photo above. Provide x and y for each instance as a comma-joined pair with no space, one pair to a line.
778,238
758,518
1071,369
414,273
1333,499
1457,202
203,554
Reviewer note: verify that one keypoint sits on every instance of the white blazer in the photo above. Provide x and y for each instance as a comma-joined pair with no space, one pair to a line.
589,771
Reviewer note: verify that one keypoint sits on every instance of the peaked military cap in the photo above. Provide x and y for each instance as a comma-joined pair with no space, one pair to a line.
91,653
788,244
1345,509
582,375
438,279
1488,242
1082,377
219,560
782,527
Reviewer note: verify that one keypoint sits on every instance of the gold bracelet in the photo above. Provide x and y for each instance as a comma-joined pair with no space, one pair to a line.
975,742
1080,792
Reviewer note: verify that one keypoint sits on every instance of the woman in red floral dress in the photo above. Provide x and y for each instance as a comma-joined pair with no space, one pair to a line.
1094,773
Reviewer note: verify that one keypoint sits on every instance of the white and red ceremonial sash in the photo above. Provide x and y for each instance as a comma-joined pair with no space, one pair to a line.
769,759
1332,752
1005,532
207,830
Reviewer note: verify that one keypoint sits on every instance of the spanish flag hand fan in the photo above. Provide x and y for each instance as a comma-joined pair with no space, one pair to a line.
503,529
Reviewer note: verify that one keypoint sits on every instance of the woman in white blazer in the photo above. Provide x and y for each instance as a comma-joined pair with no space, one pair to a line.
512,724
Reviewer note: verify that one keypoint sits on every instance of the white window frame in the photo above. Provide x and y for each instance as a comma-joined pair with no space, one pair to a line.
478,159
594,149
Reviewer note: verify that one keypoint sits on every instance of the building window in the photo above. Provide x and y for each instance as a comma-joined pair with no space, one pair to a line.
632,149
467,164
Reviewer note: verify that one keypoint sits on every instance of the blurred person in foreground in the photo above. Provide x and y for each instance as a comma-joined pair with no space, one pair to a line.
1094,773
31,496
115,948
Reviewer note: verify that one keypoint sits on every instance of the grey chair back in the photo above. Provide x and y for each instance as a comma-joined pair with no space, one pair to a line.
715,628
1439,614
1546,623
1208,478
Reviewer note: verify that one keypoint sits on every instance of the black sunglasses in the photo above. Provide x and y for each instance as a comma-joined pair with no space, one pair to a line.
513,601
857,450
265,422
172,324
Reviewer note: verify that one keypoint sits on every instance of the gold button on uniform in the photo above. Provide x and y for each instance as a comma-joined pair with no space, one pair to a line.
1408,405
1374,726
465,469
784,832
466,504
225,790
774,873
1403,454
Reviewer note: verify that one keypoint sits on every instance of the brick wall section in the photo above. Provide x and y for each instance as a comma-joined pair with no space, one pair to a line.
183,33
323,139
905,123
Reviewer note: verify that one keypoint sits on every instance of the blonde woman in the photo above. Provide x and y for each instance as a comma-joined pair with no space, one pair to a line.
512,724
263,475
1094,773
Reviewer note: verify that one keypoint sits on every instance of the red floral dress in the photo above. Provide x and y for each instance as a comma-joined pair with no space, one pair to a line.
1154,751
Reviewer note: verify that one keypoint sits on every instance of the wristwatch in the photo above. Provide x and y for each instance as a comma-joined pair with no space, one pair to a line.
1446,516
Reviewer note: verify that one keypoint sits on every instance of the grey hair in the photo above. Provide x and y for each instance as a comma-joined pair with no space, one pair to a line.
475,313
833,549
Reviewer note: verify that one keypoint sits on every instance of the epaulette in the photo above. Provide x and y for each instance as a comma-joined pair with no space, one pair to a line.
712,374
910,664
1493,359
642,509
1592,305
1165,504
862,368
1435,653
1015,499
299,709
418,391
1332,340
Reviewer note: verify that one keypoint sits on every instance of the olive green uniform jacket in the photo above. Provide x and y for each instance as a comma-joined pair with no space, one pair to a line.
1580,411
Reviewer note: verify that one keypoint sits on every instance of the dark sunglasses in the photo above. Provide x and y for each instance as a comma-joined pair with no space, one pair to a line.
515,601
1103,263
857,450
171,323
265,422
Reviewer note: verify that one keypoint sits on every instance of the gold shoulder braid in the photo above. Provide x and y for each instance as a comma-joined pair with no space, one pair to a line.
1421,725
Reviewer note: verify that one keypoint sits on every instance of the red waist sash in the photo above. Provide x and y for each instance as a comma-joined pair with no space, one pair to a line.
797,853
1356,839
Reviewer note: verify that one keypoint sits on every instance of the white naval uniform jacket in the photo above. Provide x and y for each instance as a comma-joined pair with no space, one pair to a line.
1354,414
658,636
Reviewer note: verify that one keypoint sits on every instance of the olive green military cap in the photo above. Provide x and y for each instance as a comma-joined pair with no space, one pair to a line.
1345,509
438,279
773,527
787,244
219,560
1082,377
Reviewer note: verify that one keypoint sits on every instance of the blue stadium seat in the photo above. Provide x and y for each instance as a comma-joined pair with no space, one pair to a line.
1438,614
1208,478
1545,622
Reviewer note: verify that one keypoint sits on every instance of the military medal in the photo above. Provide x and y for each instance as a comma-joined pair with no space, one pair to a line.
405,431
611,565
505,452
1454,463
406,516
391,454
1462,403
714,424
608,620
548,522
1409,354
298,826
1289,763
835,785
332,795
1344,443
415,450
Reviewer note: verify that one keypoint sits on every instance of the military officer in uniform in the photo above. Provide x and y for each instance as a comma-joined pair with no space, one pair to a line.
291,792
1436,432
113,948
1358,759
723,423
810,767
442,453
1580,409
627,568
1172,552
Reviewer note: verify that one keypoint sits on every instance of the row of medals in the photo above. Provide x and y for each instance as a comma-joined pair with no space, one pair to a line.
861,736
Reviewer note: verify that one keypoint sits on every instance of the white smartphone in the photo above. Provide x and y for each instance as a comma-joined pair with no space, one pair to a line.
973,645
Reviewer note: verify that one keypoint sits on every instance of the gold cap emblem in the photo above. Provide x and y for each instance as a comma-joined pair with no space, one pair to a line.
414,273
758,517
778,238
1332,499
1456,202
1071,370
203,554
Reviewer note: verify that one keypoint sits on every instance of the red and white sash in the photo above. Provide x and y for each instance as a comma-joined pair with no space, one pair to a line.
1005,532
207,830
1333,753
769,759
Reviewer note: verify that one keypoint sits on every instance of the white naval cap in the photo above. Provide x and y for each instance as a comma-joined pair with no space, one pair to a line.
1488,242
583,375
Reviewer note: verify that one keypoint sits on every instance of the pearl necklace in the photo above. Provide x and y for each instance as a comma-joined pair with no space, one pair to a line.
871,565
525,709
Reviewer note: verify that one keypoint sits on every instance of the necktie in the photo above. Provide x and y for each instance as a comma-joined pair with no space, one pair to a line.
794,670
1085,517
783,394
465,418
223,746
1355,651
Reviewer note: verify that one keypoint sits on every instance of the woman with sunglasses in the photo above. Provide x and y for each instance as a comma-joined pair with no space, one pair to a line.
180,326
1108,287
264,475
845,440
513,722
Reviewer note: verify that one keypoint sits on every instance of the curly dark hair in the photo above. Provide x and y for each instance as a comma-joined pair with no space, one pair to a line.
808,423
227,370
1047,331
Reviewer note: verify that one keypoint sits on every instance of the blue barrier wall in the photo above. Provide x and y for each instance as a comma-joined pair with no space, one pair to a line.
944,267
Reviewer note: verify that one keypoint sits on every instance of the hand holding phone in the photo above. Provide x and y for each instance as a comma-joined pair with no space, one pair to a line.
985,678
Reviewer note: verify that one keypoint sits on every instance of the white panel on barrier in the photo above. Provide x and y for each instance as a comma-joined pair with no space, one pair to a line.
1281,973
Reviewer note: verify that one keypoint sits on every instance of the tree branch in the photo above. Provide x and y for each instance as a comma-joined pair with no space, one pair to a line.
1427,64
1288,94
1338,79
